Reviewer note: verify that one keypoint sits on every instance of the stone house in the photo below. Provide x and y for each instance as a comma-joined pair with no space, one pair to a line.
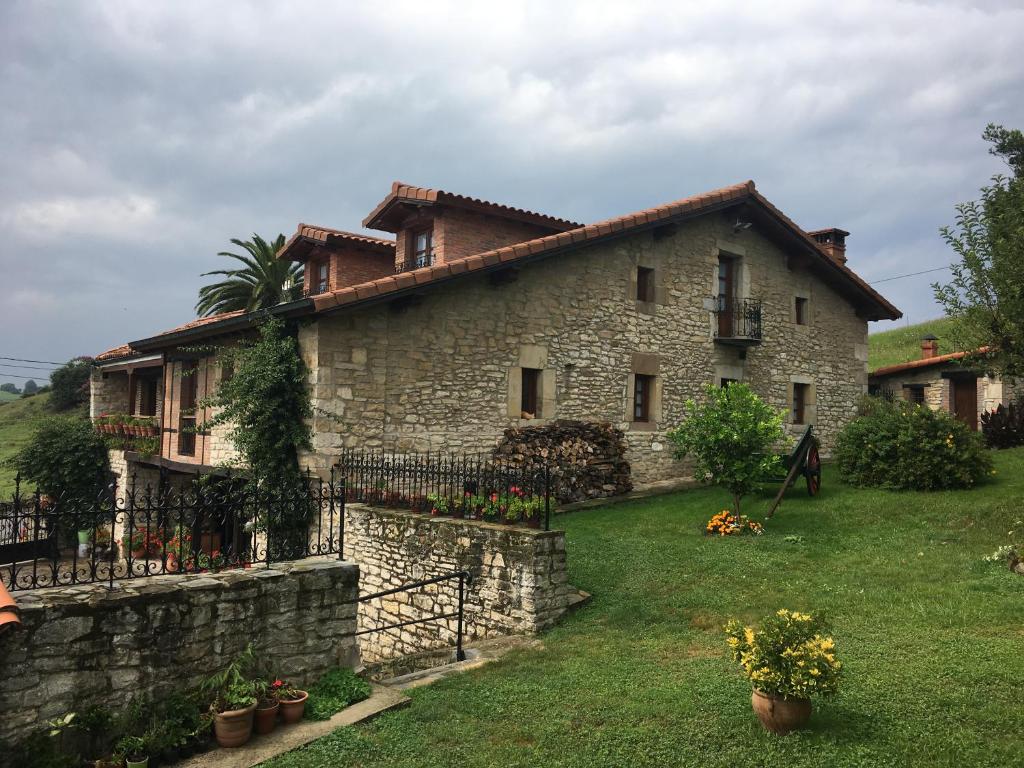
471,316
945,382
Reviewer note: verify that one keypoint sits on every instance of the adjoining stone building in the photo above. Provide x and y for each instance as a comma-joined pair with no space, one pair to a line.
947,382
472,317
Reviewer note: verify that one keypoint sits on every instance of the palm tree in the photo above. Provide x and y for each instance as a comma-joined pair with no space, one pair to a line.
263,281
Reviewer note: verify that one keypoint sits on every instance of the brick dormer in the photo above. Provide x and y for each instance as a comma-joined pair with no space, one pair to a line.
433,227
335,259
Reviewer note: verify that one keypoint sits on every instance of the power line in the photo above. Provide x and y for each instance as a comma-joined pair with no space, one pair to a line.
909,274
23,360
5,375
27,367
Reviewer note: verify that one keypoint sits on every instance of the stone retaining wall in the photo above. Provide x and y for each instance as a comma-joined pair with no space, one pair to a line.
520,585
86,644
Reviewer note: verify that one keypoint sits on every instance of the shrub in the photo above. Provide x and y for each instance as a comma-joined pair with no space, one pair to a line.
731,437
1004,427
902,445
333,692
66,458
789,655
69,384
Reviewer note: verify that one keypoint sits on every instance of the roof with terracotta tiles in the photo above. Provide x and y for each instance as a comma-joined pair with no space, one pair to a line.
127,350
308,235
926,362
402,193
615,227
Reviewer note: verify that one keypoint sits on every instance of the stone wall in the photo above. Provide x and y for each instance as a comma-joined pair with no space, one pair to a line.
86,644
993,391
440,374
520,585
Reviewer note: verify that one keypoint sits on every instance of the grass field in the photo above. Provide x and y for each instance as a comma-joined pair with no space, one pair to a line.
930,635
901,345
18,419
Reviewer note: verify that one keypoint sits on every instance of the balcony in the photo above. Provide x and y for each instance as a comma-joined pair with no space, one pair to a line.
416,262
738,322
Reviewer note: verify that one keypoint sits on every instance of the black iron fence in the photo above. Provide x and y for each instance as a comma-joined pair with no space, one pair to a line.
479,488
209,524
739,319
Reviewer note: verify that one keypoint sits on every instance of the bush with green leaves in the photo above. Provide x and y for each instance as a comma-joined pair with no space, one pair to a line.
902,445
732,438
67,459
333,692
1003,427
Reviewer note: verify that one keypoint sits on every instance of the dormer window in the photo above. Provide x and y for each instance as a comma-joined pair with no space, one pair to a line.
323,277
421,251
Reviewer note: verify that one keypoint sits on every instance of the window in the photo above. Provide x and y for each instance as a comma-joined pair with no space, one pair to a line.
726,296
643,389
187,410
147,397
323,276
800,310
422,249
915,393
530,405
644,284
799,411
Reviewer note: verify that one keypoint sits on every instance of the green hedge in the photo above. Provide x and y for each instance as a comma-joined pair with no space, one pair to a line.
902,445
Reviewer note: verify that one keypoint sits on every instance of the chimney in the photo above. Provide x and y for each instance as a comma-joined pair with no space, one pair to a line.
929,346
832,241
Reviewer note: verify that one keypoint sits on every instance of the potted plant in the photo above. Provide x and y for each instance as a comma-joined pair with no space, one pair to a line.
437,504
293,701
788,659
233,702
267,707
133,750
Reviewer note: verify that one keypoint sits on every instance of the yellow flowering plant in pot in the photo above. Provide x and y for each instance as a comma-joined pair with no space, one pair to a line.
788,659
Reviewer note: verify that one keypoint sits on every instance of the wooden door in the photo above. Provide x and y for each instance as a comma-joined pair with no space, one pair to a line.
965,401
726,296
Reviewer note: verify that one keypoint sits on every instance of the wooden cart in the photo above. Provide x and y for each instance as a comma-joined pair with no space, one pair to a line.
804,460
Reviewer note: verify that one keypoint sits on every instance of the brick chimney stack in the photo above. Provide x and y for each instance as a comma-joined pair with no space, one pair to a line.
832,241
929,347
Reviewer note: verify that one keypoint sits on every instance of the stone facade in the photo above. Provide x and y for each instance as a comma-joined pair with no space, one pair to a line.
520,584
993,391
86,644
441,373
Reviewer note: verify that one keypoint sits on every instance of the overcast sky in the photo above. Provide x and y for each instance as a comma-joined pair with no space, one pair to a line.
137,138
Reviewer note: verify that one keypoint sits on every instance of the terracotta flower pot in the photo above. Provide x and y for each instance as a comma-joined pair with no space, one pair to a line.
292,711
266,718
234,728
779,714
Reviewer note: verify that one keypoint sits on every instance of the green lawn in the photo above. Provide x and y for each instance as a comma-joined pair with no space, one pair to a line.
931,638
18,420
6,397
901,345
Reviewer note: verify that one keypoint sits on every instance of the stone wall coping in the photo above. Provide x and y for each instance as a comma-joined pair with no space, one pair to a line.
145,586
405,515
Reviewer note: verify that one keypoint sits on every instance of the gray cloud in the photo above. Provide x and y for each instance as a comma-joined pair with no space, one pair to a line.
139,137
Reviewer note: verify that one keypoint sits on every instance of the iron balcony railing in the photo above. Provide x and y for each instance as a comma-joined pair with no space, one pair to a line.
416,262
738,319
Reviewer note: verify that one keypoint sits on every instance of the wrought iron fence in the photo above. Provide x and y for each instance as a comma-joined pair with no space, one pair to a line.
475,487
739,319
209,524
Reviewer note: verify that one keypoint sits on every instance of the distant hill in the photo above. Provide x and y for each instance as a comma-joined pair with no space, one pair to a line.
6,397
18,419
901,345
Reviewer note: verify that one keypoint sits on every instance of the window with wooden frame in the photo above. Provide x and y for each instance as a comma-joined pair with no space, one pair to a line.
914,393
643,391
187,409
147,396
798,412
800,313
323,277
530,403
645,284
421,248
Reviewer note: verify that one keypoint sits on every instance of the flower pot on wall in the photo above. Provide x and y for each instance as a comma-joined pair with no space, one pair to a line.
293,709
234,727
779,714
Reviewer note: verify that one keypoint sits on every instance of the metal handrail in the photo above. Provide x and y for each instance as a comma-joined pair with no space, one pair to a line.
744,319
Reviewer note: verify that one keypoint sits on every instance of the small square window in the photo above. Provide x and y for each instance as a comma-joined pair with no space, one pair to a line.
644,284
799,409
643,389
530,405
800,310
915,394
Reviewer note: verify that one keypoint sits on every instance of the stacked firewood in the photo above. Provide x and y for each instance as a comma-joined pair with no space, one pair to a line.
587,460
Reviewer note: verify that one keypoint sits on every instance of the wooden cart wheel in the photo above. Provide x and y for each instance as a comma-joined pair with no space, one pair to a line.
812,470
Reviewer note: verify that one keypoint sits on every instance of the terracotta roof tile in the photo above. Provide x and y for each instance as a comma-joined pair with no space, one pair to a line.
330,236
126,350
925,362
